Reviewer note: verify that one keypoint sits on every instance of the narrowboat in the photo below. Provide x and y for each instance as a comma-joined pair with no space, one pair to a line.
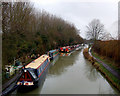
62,49
33,73
53,53
65,49
72,48
78,47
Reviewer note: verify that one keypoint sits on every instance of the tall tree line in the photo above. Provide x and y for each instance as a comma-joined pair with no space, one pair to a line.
27,31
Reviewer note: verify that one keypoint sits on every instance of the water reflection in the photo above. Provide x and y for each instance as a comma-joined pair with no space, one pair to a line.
54,61
65,54
65,60
90,72
73,74
94,75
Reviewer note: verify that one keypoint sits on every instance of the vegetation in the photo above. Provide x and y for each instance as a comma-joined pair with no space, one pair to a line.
87,56
108,75
107,61
109,49
27,31
95,30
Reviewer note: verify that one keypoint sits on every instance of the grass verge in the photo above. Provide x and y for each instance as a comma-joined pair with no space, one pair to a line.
107,61
108,75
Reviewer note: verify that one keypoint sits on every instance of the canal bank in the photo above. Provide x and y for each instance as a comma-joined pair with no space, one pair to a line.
109,73
73,74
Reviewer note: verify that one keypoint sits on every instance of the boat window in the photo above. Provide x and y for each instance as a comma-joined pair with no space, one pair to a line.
44,64
42,67
46,61
33,74
39,70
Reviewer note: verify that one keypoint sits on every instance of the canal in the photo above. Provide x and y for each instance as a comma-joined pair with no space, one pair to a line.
73,74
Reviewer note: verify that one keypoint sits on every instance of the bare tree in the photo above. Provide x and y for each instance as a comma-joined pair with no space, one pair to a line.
107,36
95,30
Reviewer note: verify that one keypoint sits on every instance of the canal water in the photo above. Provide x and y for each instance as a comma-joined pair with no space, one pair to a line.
73,74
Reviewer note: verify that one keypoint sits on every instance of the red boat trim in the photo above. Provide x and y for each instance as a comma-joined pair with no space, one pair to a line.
26,75
44,69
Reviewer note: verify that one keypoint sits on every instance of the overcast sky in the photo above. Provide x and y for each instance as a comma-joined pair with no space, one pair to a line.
81,12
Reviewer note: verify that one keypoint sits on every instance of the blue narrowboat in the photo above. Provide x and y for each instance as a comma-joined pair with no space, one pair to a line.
53,53
33,73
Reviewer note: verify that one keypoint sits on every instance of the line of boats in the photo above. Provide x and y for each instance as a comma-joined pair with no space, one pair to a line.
33,72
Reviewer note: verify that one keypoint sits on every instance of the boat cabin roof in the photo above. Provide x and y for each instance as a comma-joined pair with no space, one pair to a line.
52,51
37,62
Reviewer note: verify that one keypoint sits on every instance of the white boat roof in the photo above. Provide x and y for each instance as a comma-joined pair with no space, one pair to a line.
37,62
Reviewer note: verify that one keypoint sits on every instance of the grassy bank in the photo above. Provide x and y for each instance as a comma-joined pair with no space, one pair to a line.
109,76
110,50
106,60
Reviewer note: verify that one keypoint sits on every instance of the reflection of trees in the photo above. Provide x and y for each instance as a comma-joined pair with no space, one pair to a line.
90,72
62,63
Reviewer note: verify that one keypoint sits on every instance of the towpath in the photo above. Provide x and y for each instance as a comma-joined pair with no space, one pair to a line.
114,72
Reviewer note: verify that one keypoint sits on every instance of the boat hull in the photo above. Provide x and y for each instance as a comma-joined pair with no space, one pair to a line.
38,82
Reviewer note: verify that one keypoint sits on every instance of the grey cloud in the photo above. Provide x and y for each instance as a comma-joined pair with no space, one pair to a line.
81,13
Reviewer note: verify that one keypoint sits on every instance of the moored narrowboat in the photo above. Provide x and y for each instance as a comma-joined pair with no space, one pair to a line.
33,73
62,49
53,53
72,48
78,47
65,49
